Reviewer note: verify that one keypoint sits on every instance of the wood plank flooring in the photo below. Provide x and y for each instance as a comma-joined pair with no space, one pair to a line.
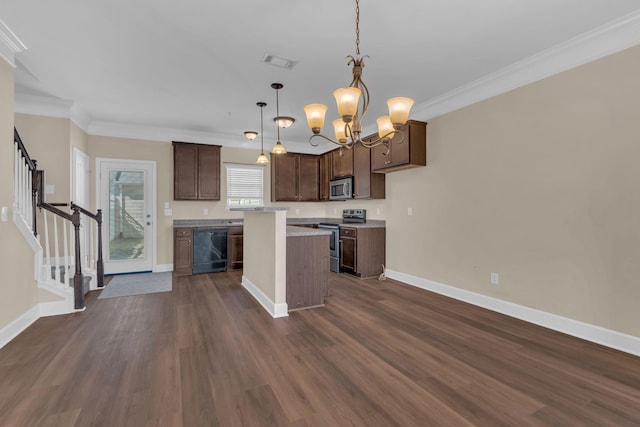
378,354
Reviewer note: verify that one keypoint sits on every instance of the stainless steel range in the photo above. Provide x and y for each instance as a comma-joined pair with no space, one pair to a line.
349,216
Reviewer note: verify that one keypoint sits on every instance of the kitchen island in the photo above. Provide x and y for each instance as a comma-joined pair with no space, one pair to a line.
277,276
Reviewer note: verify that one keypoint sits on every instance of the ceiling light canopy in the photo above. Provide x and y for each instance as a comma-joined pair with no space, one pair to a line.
348,128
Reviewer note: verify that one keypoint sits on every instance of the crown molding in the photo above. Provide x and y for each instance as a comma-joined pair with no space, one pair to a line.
10,44
607,39
155,133
47,106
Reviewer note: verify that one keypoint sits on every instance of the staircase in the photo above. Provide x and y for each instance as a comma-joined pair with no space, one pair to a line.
61,265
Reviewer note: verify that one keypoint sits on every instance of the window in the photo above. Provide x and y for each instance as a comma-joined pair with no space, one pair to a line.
244,185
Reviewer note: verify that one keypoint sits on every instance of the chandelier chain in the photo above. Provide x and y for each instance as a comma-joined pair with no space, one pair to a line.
358,27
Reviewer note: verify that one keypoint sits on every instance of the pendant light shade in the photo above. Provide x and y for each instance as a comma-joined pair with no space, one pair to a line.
278,148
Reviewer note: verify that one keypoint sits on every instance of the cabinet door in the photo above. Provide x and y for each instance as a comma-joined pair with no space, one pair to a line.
182,251
325,175
185,170
234,251
361,172
284,177
348,253
342,162
209,172
308,177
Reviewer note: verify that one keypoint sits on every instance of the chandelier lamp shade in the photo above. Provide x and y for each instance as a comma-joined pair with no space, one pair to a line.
352,103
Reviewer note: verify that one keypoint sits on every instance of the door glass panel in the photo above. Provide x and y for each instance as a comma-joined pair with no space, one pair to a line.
126,215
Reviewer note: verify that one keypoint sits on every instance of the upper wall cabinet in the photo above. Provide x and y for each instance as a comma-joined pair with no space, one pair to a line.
196,171
294,177
341,163
366,185
410,153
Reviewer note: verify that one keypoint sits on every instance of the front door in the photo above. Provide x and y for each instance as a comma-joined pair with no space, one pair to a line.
127,200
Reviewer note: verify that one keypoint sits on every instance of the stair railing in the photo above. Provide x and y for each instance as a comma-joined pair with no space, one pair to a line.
28,194
25,193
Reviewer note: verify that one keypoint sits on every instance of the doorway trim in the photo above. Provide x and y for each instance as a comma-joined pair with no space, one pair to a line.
154,197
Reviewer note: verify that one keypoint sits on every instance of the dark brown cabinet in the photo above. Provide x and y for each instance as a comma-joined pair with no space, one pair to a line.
234,247
307,271
409,153
341,163
294,177
362,251
182,251
366,185
196,171
325,164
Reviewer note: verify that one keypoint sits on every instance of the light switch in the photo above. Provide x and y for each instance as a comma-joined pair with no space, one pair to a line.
166,205
4,214
49,189
410,211
168,212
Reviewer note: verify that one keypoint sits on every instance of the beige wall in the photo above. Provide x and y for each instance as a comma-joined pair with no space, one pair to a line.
48,140
18,292
540,185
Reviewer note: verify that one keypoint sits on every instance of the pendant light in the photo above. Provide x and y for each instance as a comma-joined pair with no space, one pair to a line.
262,159
280,121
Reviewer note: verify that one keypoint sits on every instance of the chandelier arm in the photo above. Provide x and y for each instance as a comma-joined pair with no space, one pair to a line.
385,139
347,144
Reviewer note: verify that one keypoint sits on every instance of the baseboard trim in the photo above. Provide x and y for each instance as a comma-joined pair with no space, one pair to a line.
162,268
275,310
599,335
14,328
54,308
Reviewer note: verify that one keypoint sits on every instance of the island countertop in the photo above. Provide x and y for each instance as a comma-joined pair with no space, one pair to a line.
293,231
197,223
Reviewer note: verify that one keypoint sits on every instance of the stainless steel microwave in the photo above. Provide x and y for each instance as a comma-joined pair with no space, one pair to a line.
341,189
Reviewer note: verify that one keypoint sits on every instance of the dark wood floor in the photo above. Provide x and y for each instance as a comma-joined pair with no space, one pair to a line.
378,354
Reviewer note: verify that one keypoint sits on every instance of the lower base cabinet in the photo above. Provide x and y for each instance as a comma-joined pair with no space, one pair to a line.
182,251
307,271
362,251
234,247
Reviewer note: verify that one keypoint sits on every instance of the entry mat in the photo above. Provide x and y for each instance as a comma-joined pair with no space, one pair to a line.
137,284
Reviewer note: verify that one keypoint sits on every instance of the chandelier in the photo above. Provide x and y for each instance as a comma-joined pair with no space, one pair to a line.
348,128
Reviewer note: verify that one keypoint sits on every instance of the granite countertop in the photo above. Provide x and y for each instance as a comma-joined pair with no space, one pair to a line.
293,231
197,223
371,223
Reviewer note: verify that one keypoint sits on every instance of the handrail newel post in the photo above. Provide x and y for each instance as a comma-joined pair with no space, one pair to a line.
78,279
100,263
34,197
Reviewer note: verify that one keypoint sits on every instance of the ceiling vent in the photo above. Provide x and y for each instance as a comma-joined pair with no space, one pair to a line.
279,61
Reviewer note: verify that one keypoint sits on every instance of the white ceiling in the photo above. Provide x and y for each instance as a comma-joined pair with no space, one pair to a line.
191,68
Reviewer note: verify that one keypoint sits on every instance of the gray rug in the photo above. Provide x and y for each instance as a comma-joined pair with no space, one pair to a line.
137,284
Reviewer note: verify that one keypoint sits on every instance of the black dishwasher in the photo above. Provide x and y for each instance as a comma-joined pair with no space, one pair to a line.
209,249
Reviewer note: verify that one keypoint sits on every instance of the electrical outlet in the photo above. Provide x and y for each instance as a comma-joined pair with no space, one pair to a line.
166,205
168,212
377,211
205,211
297,211
335,211
49,189
410,211
5,214
495,279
